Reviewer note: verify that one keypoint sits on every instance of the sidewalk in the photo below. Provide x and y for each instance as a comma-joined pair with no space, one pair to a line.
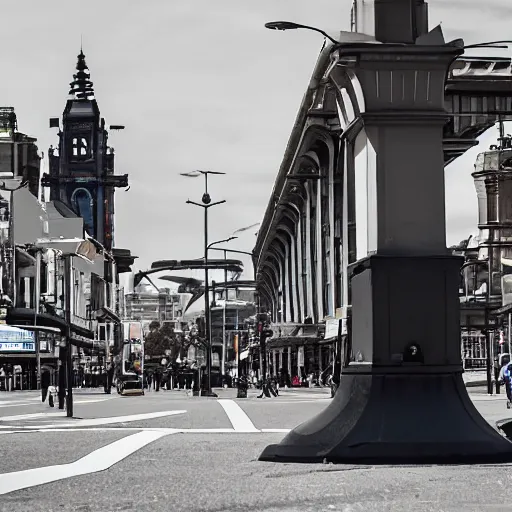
471,379
475,378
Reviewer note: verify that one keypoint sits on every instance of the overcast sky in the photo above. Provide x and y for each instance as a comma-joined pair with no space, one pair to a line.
199,84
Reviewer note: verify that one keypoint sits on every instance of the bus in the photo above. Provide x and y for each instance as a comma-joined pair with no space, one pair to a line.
130,364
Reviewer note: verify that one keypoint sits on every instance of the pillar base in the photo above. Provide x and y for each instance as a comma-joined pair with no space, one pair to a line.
395,419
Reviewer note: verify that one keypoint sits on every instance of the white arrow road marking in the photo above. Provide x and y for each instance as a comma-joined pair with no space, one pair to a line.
92,422
98,460
240,421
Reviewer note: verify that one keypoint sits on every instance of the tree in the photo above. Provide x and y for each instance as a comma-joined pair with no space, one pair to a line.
154,325
159,339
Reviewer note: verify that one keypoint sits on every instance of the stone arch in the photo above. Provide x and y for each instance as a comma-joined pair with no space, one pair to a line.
269,285
83,205
268,263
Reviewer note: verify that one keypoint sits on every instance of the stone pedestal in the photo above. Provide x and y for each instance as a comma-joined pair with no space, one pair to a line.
403,400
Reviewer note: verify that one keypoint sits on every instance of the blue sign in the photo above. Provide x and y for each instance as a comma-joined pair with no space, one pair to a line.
13,339
17,347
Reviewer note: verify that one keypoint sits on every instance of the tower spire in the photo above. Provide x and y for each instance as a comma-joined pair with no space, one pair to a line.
81,86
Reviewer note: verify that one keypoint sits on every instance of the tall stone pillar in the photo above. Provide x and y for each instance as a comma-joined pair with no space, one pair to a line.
403,400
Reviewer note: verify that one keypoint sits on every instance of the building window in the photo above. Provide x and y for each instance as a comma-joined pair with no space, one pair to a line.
81,147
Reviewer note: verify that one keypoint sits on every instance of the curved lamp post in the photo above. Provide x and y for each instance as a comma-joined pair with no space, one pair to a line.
289,25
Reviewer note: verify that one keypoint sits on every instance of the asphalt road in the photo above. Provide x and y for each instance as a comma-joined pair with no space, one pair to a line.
168,451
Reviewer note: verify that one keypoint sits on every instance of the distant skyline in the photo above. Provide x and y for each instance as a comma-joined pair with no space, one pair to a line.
199,84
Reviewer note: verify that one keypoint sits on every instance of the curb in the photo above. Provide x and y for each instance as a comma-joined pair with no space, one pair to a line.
476,383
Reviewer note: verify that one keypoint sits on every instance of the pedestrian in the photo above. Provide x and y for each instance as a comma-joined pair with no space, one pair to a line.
45,384
158,379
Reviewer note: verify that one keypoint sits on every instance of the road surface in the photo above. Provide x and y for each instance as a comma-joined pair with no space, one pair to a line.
172,452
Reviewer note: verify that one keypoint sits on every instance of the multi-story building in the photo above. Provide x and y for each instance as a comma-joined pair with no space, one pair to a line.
19,153
145,304
65,277
233,303
486,303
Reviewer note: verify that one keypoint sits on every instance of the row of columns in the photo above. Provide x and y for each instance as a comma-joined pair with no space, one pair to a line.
300,266
277,356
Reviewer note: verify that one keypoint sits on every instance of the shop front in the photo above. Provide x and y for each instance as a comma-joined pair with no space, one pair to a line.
18,357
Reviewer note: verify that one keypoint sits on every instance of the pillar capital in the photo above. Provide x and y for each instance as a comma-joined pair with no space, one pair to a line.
399,77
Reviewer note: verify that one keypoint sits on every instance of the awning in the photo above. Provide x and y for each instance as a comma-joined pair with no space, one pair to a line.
31,355
292,341
107,314
502,311
25,316
93,345
244,355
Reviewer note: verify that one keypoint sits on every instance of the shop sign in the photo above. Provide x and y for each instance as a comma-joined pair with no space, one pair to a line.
17,347
331,328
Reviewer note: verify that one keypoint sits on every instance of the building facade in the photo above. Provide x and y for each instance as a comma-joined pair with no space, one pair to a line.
145,304
63,285
486,302
81,170
322,216
233,303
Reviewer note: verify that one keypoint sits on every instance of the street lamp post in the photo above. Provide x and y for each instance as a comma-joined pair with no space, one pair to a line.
240,393
206,204
234,251
223,358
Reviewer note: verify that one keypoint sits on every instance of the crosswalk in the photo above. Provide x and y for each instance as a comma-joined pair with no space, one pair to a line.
38,416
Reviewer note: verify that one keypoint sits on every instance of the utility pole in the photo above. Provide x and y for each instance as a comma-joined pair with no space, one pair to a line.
37,298
68,288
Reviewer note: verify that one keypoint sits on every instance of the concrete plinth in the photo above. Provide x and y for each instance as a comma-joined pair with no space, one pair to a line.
395,419
403,399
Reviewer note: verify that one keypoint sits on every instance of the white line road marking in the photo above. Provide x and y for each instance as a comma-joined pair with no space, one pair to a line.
240,421
92,400
92,422
98,460
29,416
26,403
150,429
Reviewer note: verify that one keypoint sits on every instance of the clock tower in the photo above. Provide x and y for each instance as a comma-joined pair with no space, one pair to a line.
81,170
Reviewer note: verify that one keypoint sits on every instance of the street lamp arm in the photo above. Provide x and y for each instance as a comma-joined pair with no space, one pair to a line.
213,204
288,25
232,250
196,204
222,241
